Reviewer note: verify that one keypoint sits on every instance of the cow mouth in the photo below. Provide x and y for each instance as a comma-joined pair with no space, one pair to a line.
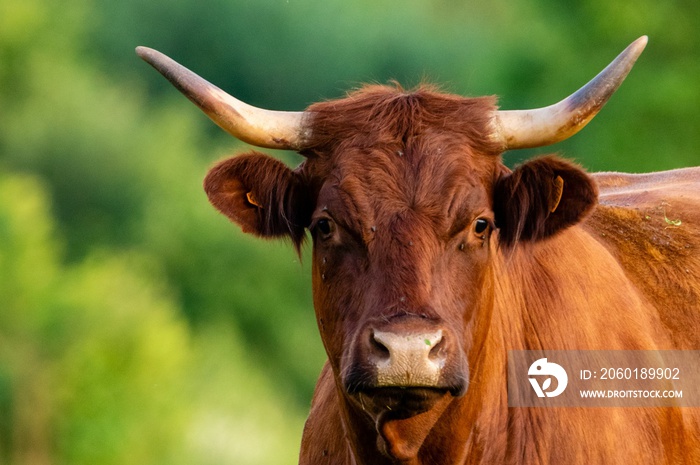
401,402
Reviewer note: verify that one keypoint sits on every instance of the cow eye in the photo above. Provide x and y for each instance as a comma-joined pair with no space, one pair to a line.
324,227
480,226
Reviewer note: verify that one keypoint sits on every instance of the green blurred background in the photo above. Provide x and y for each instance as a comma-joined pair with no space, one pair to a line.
137,326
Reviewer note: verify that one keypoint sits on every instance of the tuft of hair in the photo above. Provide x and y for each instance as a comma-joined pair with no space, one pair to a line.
376,115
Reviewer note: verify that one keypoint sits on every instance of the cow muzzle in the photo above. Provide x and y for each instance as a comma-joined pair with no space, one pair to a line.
405,365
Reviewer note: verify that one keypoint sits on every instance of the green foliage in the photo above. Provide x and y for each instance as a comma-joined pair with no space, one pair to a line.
136,324
97,365
81,345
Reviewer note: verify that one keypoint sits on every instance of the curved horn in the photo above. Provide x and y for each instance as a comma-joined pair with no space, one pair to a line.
256,126
519,129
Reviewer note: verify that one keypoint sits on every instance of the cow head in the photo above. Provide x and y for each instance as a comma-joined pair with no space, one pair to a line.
408,203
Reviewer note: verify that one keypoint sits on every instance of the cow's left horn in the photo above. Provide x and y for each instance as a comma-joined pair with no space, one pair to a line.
519,129
256,126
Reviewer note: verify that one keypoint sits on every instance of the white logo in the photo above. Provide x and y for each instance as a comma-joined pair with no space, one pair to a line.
542,367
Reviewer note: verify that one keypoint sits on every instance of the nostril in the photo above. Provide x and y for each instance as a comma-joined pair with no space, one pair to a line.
437,351
379,349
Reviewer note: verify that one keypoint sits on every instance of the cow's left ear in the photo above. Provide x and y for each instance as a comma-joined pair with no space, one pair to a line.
260,194
540,198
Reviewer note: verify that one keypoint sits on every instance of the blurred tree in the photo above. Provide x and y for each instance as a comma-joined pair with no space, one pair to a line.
123,176
82,347
96,365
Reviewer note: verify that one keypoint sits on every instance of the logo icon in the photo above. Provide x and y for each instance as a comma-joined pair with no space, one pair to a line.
542,367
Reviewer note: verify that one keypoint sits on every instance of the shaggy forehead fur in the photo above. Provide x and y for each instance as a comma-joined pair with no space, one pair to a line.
387,118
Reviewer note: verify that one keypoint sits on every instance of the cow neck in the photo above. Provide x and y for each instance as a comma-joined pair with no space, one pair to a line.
550,295
525,289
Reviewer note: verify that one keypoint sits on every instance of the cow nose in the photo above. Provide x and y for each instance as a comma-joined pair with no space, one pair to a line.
411,360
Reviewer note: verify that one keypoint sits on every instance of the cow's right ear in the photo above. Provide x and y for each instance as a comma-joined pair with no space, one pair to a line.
260,194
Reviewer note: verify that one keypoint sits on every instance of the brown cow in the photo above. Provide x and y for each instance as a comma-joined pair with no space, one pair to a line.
431,260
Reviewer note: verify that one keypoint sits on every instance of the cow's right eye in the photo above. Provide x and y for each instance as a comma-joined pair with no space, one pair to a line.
324,227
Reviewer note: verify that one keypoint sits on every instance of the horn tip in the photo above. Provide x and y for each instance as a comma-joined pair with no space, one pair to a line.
147,54
144,52
141,50
639,44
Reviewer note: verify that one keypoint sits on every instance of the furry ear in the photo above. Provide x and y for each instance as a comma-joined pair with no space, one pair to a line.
261,194
541,198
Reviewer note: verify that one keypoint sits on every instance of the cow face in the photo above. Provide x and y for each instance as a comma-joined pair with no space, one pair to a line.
408,205
402,244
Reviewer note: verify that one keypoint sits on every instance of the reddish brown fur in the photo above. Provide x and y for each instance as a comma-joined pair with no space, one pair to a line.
392,190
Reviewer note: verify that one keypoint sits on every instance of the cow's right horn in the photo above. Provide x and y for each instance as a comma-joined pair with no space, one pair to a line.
518,129
256,126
